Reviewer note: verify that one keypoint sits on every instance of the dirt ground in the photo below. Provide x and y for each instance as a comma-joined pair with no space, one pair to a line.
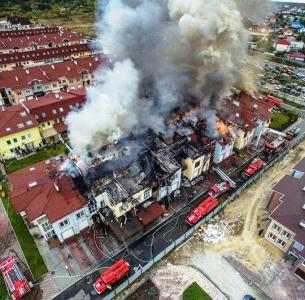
252,251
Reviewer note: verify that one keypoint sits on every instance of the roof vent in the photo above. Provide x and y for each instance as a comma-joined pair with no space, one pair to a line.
61,97
53,67
33,183
75,62
27,71
57,96
44,73
68,68
237,115
255,106
32,169
90,64
302,223
303,206
303,189
17,79
56,187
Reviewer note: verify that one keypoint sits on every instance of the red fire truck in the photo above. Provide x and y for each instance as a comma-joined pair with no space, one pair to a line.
275,146
201,210
254,167
220,188
111,275
274,100
16,283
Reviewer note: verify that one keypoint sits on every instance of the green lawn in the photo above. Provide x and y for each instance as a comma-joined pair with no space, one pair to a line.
3,293
195,292
42,154
282,119
25,239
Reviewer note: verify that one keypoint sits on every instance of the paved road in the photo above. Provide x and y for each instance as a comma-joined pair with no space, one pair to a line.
142,250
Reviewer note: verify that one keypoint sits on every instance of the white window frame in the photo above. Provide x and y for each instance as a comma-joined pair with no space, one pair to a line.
80,215
64,223
279,243
146,194
276,228
272,236
286,234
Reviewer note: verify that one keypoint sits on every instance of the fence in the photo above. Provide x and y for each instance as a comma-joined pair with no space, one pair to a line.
187,234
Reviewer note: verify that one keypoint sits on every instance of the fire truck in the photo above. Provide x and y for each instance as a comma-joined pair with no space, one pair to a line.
275,146
254,167
274,100
202,210
16,283
111,276
220,188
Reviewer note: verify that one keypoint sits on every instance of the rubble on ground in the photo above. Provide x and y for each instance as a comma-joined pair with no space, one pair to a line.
218,230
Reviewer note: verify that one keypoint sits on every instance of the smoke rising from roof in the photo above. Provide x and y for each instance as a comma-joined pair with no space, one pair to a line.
167,50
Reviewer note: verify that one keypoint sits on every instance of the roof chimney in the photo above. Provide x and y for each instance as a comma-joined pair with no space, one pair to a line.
27,71
3,108
255,106
75,62
56,186
302,223
236,103
57,96
237,115
68,68
17,79
53,67
61,97
33,183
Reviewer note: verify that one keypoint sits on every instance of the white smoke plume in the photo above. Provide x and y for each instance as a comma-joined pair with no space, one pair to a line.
110,108
176,54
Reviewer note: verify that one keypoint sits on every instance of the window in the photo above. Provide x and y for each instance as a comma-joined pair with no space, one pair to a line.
20,125
36,117
64,223
286,234
8,142
29,123
23,137
146,194
29,135
54,111
281,243
49,123
61,109
46,226
23,114
80,214
272,236
43,114
15,140
77,104
43,125
277,228
197,164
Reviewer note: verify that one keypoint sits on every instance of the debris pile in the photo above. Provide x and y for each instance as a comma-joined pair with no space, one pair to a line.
217,231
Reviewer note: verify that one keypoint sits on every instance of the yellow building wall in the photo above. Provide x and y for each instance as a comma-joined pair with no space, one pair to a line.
191,170
239,143
5,148
116,209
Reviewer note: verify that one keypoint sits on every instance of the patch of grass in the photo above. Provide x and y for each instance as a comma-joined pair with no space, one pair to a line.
3,292
25,239
282,119
195,292
42,154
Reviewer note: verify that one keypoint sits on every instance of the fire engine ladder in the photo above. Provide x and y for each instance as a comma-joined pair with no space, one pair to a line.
223,175
283,134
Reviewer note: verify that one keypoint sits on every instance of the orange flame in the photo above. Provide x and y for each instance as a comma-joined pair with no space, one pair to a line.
222,127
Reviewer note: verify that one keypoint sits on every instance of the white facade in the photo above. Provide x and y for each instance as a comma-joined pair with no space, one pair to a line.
282,48
174,184
66,227
296,45
223,151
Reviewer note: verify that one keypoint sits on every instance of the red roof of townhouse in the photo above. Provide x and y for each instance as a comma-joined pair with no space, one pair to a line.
21,78
297,55
14,119
55,105
38,193
29,32
56,39
283,42
41,54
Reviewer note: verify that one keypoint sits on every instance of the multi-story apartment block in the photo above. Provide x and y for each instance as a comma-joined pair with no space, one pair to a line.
64,37
21,84
10,61
286,230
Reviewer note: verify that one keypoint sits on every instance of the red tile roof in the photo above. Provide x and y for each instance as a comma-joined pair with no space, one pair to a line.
43,198
150,213
61,127
297,55
42,54
283,42
57,39
29,32
20,78
55,101
15,119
